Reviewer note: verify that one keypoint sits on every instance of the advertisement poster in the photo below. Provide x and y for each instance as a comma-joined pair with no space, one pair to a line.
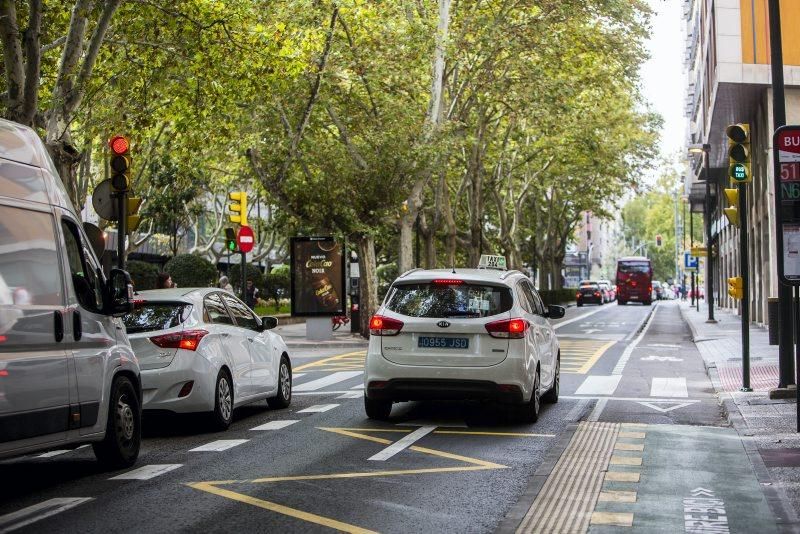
318,276
791,251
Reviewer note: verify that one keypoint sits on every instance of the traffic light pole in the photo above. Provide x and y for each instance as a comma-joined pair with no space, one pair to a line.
709,254
691,243
122,207
744,270
244,277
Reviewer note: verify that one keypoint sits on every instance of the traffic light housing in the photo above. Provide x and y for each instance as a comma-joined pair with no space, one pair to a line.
739,168
120,163
736,287
132,217
658,240
732,212
230,240
238,208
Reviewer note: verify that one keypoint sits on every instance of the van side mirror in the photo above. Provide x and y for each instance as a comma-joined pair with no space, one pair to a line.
268,323
119,293
555,312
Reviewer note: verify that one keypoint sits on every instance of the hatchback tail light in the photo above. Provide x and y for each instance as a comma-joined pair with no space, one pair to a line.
384,326
596,293
187,340
508,328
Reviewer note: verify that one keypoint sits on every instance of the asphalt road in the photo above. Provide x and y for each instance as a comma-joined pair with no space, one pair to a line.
314,467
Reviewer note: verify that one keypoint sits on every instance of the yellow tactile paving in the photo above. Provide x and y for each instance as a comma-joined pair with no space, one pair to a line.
617,496
626,460
614,519
622,476
579,355
633,435
637,447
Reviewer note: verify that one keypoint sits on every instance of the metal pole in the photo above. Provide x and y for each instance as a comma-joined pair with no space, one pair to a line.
745,274
786,331
683,247
122,205
244,277
709,255
691,242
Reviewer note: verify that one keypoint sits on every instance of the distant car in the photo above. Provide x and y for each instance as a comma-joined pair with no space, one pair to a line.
612,289
204,350
589,292
463,334
658,290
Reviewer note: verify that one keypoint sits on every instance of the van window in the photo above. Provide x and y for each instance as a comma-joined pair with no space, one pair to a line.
83,271
22,182
27,256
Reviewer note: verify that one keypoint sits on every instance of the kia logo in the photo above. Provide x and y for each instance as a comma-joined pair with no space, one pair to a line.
442,324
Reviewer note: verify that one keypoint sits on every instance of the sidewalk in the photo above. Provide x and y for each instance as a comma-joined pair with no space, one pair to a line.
294,335
767,427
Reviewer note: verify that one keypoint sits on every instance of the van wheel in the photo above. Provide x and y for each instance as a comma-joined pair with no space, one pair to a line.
551,397
377,409
284,396
222,415
120,446
529,411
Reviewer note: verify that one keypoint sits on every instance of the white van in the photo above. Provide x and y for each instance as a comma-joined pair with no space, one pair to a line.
68,375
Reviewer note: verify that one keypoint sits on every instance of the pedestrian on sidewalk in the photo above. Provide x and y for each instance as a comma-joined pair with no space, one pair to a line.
251,294
225,284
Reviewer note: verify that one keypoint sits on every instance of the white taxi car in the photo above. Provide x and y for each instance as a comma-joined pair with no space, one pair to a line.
463,334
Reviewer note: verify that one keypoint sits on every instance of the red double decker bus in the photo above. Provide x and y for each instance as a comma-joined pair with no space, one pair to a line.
634,280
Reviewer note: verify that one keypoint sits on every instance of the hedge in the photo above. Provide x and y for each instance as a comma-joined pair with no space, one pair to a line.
143,274
189,270
558,296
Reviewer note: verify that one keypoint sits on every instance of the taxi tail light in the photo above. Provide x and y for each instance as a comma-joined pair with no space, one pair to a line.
508,328
187,340
596,293
384,326
578,295
447,282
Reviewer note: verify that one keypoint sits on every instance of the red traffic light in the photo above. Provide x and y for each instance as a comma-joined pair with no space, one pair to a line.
118,144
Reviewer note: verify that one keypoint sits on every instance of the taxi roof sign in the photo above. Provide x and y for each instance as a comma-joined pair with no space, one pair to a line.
489,261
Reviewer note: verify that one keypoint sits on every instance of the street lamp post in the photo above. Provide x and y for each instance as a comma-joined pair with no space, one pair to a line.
705,150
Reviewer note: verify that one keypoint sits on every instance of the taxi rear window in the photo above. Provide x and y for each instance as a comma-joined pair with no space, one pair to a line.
439,301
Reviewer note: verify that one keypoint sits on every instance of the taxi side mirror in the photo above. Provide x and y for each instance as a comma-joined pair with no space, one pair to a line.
555,312
268,323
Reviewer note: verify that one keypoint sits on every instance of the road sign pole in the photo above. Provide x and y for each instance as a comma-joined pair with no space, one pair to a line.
744,270
709,251
122,207
244,276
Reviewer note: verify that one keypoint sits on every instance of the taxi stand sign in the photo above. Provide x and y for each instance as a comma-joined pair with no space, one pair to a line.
489,261
787,142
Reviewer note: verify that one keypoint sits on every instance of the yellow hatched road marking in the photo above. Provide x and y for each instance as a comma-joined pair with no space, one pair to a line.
350,359
580,355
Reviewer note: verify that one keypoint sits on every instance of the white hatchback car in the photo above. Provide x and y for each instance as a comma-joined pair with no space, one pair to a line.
462,334
204,350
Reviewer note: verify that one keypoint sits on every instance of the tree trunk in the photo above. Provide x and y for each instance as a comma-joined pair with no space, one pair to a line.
405,259
369,281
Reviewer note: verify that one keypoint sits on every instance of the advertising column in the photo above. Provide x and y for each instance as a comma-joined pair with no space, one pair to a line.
317,283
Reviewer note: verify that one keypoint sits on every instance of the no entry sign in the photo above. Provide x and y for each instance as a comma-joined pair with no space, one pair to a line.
787,144
245,239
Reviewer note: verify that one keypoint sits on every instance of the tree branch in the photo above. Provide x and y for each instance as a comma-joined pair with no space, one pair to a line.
30,103
12,59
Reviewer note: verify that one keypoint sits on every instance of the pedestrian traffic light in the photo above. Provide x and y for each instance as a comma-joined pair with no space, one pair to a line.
238,209
120,163
230,239
736,287
739,153
132,217
658,240
732,212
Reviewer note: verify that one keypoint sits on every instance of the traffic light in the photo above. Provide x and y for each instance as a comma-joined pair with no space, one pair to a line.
230,239
132,217
238,209
739,153
736,288
120,163
732,212
658,240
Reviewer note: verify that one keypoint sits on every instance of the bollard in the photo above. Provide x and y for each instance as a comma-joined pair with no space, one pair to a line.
774,320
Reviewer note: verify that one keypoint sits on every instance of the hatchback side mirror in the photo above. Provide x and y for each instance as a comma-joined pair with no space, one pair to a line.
555,312
119,293
268,323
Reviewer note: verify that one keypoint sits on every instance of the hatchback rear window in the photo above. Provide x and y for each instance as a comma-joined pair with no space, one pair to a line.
437,300
156,316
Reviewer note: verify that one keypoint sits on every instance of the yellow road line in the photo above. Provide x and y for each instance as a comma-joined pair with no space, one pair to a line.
593,360
326,360
281,509
464,432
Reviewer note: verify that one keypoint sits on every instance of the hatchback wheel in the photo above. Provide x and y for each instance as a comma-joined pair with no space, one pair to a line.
529,412
284,396
377,409
223,401
551,397
120,447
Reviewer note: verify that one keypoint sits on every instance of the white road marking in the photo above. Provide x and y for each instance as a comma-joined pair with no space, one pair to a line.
627,399
329,380
318,408
577,410
669,387
59,452
439,424
37,512
591,331
351,395
276,425
702,512
325,392
666,409
626,355
598,409
147,472
219,445
654,358
359,386
599,385
297,375
580,317
402,443
664,345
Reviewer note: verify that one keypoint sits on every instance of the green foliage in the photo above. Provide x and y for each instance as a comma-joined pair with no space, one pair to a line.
387,273
191,270
558,296
253,273
276,284
143,274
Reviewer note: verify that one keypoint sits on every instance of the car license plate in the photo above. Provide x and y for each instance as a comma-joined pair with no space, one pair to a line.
634,297
431,342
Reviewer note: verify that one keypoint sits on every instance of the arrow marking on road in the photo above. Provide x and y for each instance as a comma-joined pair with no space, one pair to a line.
591,331
697,492
667,409
654,358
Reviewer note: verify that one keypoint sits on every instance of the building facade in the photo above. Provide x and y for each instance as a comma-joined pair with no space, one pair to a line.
728,81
